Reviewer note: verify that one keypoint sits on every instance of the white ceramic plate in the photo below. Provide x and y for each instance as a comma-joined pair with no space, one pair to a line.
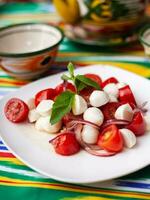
32,147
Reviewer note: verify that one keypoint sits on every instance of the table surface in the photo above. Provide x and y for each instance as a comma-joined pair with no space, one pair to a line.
19,181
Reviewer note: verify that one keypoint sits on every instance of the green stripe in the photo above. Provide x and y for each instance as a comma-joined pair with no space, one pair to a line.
40,193
68,46
8,77
10,86
14,166
43,193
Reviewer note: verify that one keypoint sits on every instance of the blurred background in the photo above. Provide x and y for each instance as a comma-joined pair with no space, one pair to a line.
19,11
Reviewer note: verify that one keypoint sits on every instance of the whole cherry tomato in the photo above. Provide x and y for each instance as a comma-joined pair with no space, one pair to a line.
94,77
109,80
44,95
66,144
63,87
137,124
16,110
110,139
126,95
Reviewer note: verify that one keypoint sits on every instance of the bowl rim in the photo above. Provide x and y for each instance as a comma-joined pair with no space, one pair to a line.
34,53
141,33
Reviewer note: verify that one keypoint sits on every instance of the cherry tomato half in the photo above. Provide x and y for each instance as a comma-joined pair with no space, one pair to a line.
45,94
110,139
16,110
66,144
137,124
109,110
63,87
109,80
94,77
126,95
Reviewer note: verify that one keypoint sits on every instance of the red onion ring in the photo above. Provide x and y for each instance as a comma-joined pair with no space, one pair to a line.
88,148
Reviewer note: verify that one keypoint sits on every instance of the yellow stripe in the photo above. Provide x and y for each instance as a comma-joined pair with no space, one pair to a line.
12,160
40,17
86,198
13,81
8,84
24,183
66,54
135,68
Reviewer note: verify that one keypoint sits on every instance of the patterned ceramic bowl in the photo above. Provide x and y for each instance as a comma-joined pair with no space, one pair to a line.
28,50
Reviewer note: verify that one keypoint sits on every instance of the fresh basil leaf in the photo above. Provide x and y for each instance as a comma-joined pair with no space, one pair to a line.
88,81
79,85
62,106
65,77
70,68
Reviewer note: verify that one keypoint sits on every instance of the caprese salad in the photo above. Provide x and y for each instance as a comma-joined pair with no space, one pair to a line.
85,112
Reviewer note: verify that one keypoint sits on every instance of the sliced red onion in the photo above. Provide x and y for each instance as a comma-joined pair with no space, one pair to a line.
101,152
144,104
142,108
71,126
88,148
93,146
81,121
53,139
115,122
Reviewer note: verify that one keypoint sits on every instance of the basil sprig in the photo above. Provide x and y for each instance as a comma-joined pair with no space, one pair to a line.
80,81
61,106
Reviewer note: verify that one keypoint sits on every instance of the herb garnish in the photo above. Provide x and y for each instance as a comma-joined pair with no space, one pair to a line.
64,101
80,81
61,106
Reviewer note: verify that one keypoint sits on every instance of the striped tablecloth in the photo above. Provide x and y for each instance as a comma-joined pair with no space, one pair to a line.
17,181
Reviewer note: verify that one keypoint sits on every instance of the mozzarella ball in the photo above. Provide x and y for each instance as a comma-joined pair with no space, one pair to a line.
39,124
120,85
94,115
147,121
31,104
112,89
128,137
124,112
112,98
44,108
79,105
43,124
33,115
89,134
98,98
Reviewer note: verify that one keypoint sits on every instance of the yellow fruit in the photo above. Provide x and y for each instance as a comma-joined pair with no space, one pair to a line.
68,10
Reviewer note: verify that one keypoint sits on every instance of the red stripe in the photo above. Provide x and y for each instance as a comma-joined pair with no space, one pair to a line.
2,181
6,154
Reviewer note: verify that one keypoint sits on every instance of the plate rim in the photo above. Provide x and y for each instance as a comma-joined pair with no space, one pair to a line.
68,180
